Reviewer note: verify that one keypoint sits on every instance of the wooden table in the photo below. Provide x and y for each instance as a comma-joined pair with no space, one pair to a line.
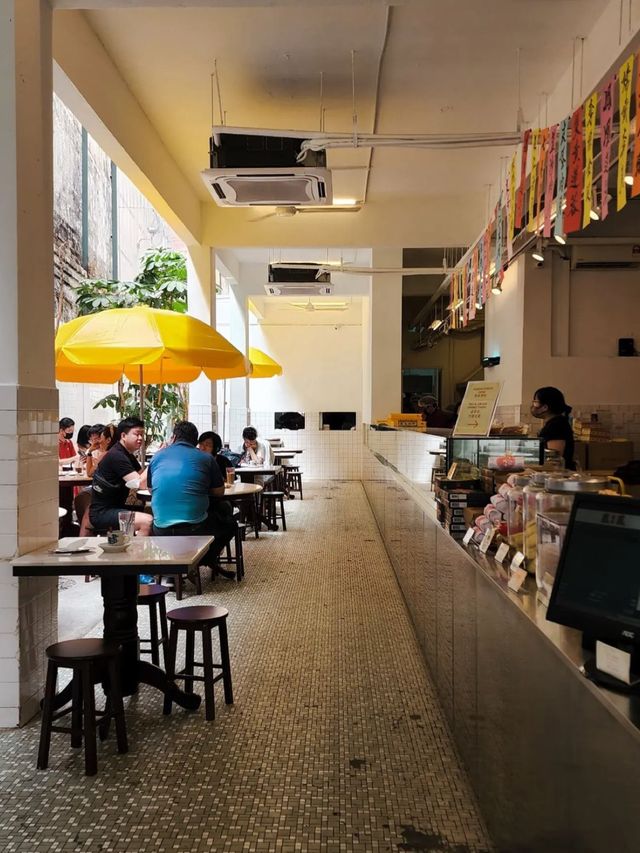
67,482
119,585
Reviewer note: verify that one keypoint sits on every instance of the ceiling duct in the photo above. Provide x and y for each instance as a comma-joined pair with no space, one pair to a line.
250,168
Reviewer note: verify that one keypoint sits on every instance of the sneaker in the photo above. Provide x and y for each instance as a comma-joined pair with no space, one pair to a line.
225,573
146,579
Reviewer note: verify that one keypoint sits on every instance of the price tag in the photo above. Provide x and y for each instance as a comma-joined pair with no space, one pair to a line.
487,539
517,579
517,561
468,536
502,552
451,473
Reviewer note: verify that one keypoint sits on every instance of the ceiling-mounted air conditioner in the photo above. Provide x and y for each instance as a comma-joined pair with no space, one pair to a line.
250,167
298,280
623,256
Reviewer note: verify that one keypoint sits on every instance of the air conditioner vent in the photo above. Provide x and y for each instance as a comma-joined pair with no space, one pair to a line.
298,273
605,257
289,289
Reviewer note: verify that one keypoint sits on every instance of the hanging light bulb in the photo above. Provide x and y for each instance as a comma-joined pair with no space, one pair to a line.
538,252
594,213
496,287
628,179
560,238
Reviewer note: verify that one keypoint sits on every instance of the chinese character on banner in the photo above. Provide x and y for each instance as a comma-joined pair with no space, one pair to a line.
606,130
544,141
590,114
533,180
551,179
512,205
635,165
625,75
573,213
563,139
523,179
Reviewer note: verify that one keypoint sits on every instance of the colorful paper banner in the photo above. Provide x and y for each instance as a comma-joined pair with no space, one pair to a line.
523,179
533,180
573,213
512,204
563,139
590,115
487,262
544,140
551,179
474,284
606,130
625,75
635,164
499,236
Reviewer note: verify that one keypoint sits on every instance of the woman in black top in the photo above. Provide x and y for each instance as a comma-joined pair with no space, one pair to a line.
210,442
549,405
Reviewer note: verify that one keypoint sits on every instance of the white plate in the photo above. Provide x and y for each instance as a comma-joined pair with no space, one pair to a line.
114,549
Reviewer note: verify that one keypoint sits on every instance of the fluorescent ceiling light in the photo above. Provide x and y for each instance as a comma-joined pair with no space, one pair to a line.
496,288
345,202
435,325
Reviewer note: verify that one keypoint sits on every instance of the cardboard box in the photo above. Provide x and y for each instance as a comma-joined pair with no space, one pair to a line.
608,455
471,513
580,454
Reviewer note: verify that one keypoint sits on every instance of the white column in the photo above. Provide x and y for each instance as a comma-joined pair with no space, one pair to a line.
28,397
238,389
382,327
202,304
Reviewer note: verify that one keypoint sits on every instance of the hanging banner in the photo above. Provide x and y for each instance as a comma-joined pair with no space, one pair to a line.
499,235
551,179
606,130
523,179
508,204
487,262
544,141
625,75
465,294
563,139
474,284
590,114
573,213
533,181
512,204
481,272
635,163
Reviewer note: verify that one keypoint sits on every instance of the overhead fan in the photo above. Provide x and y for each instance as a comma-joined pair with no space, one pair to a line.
319,306
291,210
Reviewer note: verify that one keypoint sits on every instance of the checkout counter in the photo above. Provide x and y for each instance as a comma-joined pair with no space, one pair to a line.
553,758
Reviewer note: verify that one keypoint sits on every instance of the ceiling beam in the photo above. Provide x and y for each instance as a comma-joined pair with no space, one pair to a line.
211,4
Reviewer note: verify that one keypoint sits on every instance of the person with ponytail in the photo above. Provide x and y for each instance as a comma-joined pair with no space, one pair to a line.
549,405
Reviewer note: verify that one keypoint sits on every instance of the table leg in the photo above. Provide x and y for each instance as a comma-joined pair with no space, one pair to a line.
120,595
65,500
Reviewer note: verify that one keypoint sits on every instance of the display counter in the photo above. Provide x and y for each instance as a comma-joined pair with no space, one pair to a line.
553,758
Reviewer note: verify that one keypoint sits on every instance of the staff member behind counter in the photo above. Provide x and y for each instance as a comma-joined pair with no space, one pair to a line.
549,405
433,415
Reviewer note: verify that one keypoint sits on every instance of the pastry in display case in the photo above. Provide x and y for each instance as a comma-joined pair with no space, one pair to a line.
498,453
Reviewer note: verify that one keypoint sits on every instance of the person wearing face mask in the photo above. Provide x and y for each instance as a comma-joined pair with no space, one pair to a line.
66,450
549,405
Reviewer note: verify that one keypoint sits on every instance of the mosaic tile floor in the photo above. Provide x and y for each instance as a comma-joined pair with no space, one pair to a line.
335,742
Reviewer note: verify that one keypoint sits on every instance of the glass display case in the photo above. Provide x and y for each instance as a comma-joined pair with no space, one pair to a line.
499,452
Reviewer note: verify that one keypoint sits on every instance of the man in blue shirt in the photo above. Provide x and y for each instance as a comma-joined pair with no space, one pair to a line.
182,480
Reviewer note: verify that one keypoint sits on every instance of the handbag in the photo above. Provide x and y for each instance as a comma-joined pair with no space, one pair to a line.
234,458
104,487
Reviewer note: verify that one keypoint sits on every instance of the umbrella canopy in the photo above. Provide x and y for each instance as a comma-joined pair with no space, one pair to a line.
264,367
169,347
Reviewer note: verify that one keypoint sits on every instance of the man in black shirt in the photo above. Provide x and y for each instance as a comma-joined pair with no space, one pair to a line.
116,475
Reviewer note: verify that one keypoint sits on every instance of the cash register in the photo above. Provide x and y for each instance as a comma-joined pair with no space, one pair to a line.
597,584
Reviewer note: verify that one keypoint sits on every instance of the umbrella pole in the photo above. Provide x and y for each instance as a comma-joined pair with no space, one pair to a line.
144,443
224,409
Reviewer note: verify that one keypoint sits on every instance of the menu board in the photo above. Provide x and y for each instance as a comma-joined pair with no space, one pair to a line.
478,409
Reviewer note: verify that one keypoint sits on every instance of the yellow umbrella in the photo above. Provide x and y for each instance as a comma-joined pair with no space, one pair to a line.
167,346
148,345
264,367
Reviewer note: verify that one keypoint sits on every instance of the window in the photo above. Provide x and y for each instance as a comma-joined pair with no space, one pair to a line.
288,420
337,420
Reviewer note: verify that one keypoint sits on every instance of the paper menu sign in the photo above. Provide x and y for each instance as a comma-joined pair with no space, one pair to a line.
502,552
468,536
613,661
478,408
487,539
516,579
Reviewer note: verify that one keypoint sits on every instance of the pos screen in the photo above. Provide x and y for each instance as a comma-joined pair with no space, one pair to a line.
597,585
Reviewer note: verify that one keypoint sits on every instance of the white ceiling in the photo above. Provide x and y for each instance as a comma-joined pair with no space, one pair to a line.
446,67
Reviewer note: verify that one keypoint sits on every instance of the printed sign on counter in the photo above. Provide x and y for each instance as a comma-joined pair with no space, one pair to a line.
478,408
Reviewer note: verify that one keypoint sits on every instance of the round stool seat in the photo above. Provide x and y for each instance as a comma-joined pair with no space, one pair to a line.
150,592
198,614
81,650
272,495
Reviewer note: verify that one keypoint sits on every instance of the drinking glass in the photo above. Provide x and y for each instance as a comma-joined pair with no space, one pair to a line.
231,476
125,522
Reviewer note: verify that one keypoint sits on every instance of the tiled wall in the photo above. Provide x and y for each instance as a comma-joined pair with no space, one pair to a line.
622,421
327,454
28,520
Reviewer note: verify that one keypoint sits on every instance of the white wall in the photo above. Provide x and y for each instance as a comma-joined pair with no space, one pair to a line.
604,306
504,315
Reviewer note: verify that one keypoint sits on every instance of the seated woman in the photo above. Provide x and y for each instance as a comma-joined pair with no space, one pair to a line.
82,442
210,442
102,441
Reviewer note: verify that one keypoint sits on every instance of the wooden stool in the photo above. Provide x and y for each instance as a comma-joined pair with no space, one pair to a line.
202,619
270,501
152,595
294,482
87,658
237,558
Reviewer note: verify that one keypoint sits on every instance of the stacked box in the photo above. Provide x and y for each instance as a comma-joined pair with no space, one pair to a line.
452,505
590,431
492,479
